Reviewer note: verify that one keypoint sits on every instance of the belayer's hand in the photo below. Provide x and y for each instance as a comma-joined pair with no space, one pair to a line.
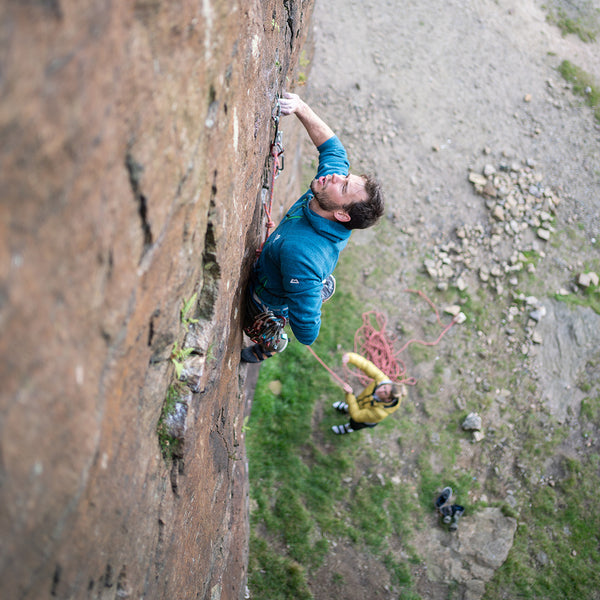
345,358
347,388
290,103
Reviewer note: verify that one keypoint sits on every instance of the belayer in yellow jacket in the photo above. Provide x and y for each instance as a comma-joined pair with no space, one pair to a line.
378,400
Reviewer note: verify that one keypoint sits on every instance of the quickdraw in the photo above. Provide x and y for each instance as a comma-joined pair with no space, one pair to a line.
277,144
276,154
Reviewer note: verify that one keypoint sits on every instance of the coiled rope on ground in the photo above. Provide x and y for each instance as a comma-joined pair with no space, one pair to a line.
372,342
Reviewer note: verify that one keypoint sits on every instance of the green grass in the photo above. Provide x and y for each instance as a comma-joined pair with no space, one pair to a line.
589,297
590,410
583,85
274,576
476,307
578,243
584,24
540,436
304,64
187,306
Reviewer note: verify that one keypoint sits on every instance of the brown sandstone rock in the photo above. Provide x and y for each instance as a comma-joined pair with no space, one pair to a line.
133,141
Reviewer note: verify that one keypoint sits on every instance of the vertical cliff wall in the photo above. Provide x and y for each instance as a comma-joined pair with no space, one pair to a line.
133,142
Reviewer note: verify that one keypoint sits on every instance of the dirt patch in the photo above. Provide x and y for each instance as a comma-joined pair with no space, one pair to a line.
349,572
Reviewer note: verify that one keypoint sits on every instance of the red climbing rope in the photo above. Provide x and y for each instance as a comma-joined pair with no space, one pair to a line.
372,342
277,156
332,373
439,322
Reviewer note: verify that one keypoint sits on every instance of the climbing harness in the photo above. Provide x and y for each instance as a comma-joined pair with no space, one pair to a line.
373,343
276,153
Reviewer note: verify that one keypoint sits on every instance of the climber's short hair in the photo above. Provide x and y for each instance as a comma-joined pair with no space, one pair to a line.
365,213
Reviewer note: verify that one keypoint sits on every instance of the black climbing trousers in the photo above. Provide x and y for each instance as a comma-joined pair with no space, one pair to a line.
355,425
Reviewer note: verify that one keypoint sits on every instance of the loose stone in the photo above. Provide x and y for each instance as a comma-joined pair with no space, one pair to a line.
472,422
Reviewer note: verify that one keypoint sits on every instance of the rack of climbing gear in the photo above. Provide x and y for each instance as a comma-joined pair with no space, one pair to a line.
266,330
276,155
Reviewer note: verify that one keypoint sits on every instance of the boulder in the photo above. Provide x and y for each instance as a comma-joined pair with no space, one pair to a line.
470,555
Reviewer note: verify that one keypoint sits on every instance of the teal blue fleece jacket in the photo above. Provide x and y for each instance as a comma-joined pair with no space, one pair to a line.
299,255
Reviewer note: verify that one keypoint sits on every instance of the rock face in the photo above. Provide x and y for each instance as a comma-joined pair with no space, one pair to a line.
133,143
470,555
572,335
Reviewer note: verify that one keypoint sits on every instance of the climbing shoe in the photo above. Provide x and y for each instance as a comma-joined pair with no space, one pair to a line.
342,429
341,406
457,512
328,288
446,512
443,497
255,354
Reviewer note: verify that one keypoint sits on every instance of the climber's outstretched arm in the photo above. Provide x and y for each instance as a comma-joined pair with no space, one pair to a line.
318,131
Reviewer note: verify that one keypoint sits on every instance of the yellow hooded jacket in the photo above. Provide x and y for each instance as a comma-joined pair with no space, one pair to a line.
365,408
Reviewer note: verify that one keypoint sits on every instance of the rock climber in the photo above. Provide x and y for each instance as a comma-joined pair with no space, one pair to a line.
293,275
377,401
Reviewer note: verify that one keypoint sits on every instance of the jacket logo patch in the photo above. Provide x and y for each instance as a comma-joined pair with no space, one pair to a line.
294,280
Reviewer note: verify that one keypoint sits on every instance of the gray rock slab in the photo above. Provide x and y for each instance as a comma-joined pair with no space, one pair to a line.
571,336
471,555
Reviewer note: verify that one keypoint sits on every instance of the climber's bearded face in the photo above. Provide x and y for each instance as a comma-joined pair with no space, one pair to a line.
338,192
